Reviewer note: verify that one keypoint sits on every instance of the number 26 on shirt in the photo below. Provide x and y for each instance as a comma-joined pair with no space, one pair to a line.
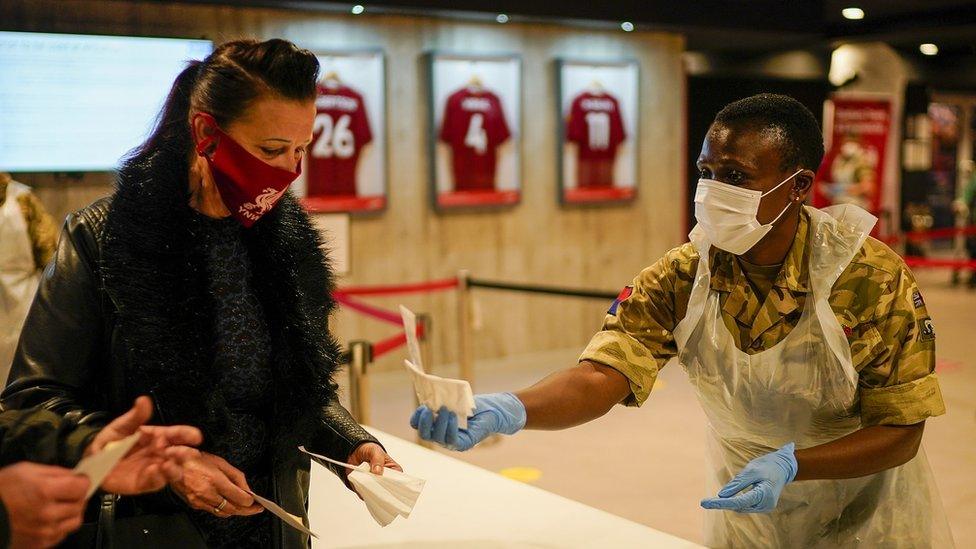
336,139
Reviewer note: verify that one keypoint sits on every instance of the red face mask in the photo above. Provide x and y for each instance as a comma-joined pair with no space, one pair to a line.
249,186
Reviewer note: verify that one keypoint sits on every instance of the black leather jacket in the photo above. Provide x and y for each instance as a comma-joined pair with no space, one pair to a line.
121,310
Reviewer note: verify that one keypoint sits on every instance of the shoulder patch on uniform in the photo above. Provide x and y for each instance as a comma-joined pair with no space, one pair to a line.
624,294
926,329
917,299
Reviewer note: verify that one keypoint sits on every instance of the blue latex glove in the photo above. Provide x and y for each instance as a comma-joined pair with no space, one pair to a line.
493,413
766,476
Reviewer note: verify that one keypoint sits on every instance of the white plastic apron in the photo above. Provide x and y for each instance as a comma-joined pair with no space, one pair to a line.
803,390
18,275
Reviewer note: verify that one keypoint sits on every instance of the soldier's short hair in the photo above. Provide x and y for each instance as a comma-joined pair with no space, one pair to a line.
788,120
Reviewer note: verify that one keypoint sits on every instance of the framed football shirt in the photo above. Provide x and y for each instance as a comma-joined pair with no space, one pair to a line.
598,106
345,166
475,105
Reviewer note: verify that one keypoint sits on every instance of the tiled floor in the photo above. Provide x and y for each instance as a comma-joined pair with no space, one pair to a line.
646,464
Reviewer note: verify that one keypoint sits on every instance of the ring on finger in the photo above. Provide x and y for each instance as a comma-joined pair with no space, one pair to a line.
219,508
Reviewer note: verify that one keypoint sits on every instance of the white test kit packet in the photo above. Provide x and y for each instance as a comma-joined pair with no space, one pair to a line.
433,391
388,496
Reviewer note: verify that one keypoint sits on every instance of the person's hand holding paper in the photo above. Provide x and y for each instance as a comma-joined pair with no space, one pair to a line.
435,392
387,496
129,457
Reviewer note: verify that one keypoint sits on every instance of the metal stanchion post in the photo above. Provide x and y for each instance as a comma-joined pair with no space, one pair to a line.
959,245
465,355
361,354
465,338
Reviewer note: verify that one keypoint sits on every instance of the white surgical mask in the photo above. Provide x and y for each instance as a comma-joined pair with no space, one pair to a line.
388,496
727,214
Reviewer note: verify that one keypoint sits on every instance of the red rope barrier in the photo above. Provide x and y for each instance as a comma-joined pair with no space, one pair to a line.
380,348
383,347
915,261
416,288
934,234
369,310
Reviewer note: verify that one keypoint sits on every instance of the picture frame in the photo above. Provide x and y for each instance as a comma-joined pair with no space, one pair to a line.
345,169
475,130
598,104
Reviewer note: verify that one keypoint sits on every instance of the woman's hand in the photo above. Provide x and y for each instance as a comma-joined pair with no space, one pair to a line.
371,453
375,455
211,484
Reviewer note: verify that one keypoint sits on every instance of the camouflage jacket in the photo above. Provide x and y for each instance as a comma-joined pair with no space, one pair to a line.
41,229
876,301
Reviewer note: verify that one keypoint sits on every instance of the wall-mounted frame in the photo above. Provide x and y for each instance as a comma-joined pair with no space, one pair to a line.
599,105
345,168
475,129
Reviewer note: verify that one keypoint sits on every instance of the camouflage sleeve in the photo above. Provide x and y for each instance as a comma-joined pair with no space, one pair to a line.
636,336
42,436
900,387
41,229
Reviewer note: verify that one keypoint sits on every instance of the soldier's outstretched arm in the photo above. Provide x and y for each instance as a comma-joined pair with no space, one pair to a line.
564,399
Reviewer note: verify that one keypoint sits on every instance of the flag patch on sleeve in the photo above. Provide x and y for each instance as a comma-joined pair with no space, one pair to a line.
624,294
926,329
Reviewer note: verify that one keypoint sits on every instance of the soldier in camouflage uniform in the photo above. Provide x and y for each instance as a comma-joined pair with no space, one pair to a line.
761,331
876,301
42,500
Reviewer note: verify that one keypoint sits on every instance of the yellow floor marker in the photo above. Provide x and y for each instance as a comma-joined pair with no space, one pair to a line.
527,475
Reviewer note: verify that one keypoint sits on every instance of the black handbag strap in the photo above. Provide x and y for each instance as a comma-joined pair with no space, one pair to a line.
104,538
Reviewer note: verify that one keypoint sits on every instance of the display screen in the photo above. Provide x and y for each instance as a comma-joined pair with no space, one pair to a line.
80,103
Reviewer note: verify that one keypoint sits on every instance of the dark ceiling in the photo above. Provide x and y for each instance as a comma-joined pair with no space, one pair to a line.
715,25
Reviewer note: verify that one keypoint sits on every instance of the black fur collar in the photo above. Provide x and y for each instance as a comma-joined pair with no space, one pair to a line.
155,273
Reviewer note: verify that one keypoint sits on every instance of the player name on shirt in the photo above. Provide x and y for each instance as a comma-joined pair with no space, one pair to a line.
595,104
337,102
476,104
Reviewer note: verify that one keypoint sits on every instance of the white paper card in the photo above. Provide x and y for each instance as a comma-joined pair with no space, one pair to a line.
98,466
413,344
285,516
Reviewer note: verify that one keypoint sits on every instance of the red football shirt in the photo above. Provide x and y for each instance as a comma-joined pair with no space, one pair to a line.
595,125
341,131
474,126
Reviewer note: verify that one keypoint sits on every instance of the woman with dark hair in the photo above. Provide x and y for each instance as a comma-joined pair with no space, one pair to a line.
202,283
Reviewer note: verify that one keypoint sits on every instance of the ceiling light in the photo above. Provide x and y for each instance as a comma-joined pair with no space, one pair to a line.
852,13
929,49
502,18
358,9
627,26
